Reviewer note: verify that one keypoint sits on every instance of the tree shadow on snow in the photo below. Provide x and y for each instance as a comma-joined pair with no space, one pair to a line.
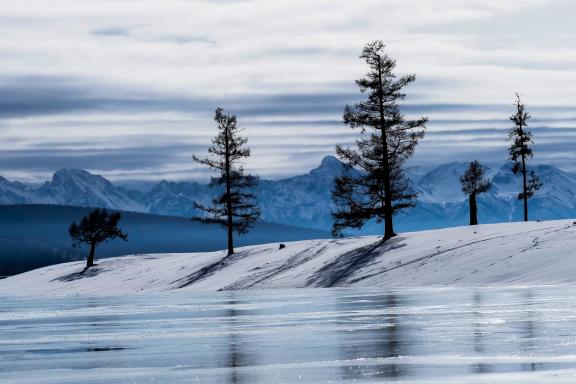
334,273
210,269
89,272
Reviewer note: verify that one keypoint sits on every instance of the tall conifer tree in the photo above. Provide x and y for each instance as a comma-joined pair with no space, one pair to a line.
387,140
235,207
520,151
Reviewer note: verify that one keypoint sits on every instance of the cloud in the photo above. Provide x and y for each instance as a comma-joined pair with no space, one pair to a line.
115,80
118,31
104,159
183,39
157,138
24,96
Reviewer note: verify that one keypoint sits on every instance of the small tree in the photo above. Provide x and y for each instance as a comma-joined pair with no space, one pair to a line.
388,139
99,226
520,151
235,208
474,183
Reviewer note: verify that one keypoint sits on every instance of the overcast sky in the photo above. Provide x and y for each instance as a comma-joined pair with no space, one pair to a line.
127,89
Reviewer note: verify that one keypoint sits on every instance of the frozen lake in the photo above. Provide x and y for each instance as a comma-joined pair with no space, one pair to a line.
461,335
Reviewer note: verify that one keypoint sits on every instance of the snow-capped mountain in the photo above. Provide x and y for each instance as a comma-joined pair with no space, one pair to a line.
175,198
305,200
442,184
440,196
15,193
80,188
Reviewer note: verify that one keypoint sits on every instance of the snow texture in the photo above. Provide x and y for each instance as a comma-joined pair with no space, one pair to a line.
520,254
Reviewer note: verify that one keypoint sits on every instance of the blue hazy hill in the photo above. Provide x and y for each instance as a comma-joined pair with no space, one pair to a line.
32,236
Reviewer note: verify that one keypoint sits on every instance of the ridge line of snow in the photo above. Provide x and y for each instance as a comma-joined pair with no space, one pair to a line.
517,254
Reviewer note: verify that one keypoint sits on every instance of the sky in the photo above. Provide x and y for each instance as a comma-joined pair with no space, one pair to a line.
127,89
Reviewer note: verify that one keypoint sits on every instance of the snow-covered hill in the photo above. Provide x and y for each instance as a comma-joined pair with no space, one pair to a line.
501,254
34,236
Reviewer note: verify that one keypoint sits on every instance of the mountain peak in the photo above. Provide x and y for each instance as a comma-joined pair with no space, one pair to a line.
66,173
70,186
329,167
305,200
329,164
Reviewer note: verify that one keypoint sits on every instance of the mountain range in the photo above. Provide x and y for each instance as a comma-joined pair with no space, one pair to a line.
305,201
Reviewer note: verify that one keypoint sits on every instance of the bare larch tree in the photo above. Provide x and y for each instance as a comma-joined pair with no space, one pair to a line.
520,151
388,139
235,207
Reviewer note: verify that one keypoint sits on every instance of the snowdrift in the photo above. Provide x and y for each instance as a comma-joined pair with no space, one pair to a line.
534,253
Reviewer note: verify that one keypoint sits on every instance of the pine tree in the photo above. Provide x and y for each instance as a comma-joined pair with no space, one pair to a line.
98,227
474,183
520,151
235,208
387,140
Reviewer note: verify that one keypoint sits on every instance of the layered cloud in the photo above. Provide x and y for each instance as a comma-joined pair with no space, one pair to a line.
127,88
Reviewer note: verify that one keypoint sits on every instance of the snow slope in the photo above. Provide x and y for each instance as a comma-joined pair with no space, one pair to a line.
35,236
533,253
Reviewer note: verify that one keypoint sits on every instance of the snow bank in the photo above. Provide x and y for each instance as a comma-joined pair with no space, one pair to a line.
534,253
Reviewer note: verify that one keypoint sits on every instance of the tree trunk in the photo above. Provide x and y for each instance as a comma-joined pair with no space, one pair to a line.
524,187
229,224
90,260
388,222
473,209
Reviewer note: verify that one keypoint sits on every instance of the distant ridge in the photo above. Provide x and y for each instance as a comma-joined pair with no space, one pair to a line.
305,201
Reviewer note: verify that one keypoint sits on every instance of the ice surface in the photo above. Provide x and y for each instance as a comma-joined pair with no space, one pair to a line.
341,335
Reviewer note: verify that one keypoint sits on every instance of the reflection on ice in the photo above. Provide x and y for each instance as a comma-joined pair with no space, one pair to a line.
389,341
519,335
